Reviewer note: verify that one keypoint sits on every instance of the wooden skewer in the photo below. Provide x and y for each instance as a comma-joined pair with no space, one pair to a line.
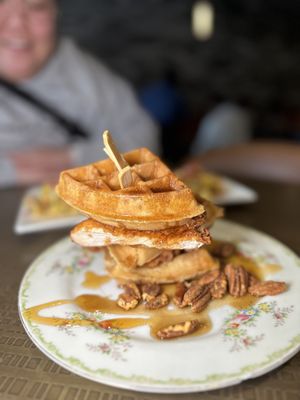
124,175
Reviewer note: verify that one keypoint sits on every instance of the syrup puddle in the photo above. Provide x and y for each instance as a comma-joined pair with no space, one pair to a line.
155,319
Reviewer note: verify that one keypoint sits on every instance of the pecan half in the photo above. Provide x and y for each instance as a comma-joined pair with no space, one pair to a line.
179,293
218,287
192,294
202,300
157,302
208,277
150,290
177,330
127,301
131,289
237,278
223,249
253,280
267,288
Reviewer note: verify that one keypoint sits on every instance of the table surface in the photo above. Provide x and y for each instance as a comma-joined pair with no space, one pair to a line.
25,373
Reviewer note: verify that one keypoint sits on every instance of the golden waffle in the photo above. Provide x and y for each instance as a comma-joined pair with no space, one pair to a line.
184,266
189,236
156,200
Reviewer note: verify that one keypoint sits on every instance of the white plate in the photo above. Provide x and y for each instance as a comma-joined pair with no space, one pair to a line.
234,192
242,344
27,223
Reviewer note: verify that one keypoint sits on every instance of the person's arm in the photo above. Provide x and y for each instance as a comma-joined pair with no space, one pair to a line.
37,165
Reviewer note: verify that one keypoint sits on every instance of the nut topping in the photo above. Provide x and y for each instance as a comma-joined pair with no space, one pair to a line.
157,302
131,289
267,288
150,290
192,294
179,293
208,277
223,249
177,330
127,301
202,300
253,280
237,278
218,287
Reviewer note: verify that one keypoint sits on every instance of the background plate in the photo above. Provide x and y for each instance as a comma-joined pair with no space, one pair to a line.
26,222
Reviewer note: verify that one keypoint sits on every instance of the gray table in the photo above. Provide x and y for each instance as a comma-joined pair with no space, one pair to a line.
25,373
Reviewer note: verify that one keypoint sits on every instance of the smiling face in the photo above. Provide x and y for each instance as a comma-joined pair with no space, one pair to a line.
27,37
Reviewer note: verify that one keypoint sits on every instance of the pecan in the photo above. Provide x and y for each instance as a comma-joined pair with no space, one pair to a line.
127,301
223,249
202,300
237,278
157,302
179,293
192,294
267,288
177,330
208,277
150,290
252,280
218,287
131,289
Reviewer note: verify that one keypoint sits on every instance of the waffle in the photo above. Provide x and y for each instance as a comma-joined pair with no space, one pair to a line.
189,236
184,266
157,199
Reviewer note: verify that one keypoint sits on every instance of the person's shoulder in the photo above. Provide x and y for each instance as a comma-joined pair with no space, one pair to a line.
83,63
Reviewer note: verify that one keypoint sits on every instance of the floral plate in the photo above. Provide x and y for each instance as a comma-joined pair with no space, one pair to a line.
242,344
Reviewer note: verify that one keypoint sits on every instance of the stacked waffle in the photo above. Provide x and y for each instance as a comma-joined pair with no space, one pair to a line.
152,227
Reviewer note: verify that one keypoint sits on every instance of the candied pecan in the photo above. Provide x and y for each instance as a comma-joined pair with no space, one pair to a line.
131,289
192,294
237,278
253,280
218,287
157,302
223,249
150,290
201,302
177,330
208,277
127,301
179,293
267,288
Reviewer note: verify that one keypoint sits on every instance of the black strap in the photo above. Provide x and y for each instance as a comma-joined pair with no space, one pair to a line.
71,127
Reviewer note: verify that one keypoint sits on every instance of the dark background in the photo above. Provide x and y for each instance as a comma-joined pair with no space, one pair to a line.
252,58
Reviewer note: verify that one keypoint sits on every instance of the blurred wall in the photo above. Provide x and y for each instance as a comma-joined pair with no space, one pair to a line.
254,52
252,58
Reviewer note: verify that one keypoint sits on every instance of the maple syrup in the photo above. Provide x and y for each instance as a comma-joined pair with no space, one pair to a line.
155,319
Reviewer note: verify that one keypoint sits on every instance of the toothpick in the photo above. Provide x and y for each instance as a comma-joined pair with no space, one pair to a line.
124,175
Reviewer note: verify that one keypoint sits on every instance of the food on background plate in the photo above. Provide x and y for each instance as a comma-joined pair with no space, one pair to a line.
203,183
46,204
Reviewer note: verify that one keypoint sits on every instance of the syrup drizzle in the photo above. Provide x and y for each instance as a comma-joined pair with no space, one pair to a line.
155,319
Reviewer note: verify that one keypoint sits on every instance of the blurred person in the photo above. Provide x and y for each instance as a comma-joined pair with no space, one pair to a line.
55,100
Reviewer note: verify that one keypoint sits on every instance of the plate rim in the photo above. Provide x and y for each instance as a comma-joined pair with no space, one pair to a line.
166,386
